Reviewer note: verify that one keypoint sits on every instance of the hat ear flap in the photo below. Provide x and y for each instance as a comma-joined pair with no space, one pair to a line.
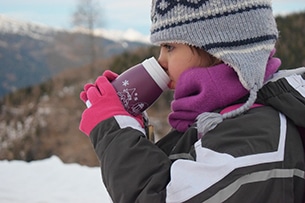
250,67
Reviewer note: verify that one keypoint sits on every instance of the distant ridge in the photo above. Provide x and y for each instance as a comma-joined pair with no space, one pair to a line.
31,53
41,31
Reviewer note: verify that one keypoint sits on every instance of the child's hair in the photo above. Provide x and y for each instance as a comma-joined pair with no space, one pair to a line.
241,33
212,59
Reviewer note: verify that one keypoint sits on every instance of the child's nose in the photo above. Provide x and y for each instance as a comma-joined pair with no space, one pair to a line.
162,62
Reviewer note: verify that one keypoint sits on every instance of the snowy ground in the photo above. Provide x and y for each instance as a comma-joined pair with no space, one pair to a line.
50,181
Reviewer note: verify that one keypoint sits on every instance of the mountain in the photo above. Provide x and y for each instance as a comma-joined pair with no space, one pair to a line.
32,53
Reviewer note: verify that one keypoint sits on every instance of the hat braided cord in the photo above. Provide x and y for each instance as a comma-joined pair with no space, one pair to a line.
208,121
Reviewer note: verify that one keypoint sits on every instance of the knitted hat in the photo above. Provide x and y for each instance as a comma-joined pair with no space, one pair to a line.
241,33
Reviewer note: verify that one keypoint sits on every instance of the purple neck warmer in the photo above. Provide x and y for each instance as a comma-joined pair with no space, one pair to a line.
204,89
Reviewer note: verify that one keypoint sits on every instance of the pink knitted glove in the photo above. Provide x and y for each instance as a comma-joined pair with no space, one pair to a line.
102,102
83,95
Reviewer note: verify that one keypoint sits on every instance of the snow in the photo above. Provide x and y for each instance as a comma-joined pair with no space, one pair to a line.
44,32
50,181
34,30
128,35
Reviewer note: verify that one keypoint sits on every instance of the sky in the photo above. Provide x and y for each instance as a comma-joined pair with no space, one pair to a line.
116,14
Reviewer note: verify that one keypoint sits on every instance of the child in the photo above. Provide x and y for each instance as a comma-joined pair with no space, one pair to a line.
235,135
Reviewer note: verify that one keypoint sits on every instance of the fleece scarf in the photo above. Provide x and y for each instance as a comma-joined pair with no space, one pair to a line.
205,89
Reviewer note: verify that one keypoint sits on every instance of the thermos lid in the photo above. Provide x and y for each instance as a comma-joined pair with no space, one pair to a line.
154,69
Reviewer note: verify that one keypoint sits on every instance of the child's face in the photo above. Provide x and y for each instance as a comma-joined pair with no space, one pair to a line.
176,58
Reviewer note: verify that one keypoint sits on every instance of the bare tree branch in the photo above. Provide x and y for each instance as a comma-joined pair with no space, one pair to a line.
88,16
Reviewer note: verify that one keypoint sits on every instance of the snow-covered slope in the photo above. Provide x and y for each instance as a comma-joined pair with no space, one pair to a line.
41,31
128,35
50,181
34,30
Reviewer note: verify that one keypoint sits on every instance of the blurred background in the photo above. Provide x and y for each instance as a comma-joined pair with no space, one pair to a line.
50,49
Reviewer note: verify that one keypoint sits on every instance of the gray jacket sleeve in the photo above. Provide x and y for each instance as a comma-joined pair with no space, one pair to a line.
133,168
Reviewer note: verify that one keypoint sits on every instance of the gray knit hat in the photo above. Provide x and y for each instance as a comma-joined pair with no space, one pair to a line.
241,33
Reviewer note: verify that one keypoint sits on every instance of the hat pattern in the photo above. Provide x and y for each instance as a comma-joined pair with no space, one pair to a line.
166,6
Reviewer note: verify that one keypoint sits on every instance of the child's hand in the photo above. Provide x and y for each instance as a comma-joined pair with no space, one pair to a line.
102,102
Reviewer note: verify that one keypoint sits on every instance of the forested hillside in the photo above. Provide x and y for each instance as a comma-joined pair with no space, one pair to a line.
291,44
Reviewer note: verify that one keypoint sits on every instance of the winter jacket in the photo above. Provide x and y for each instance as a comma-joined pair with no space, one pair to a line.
255,157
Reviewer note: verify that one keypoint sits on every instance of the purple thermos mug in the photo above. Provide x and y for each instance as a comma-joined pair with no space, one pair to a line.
141,85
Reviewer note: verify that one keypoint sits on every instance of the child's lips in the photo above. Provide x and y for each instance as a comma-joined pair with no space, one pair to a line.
170,85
